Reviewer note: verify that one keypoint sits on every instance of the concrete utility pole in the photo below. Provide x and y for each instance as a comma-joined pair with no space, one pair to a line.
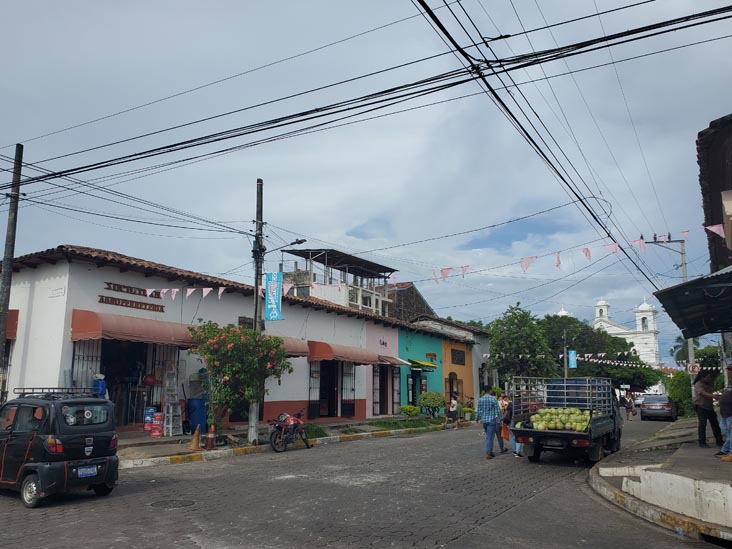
682,251
7,273
258,250
566,365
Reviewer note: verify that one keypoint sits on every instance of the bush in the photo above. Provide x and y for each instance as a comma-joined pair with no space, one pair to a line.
467,410
432,401
409,411
497,391
679,390
314,430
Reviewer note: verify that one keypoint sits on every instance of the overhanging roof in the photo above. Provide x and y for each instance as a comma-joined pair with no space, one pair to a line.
92,325
320,350
344,262
700,306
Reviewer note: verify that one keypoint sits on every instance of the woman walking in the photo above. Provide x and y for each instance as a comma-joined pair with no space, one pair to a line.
629,407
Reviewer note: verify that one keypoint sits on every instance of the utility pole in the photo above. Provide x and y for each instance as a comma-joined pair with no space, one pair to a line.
566,366
682,251
258,250
7,272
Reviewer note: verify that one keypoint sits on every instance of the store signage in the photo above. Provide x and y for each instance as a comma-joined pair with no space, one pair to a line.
113,286
572,356
119,302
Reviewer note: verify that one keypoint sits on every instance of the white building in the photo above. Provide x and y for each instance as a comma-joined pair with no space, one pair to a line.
645,336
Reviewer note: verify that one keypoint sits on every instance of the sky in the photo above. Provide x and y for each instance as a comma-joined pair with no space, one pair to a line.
451,171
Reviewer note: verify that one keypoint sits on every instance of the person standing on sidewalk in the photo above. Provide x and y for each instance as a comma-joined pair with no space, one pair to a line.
490,413
725,410
508,421
704,407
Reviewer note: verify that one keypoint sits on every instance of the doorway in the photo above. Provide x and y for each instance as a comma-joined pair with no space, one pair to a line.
328,388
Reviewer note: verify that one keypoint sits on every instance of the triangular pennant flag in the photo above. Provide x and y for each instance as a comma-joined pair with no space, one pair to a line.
686,234
716,229
313,285
221,291
587,253
640,243
261,291
189,291
464,269
434,275
339,284
445,272
559,261
206,291
149,291
614,247
663,238
173,293
163,292
393,278
286,287
527,261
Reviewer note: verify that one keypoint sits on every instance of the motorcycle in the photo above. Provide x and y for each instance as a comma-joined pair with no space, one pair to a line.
286,429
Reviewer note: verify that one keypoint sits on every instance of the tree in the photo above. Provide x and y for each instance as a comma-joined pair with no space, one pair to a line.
587,340
518,346
239,361
680,349
432,401
679,390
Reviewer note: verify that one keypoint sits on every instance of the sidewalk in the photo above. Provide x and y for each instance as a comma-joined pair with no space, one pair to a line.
139,449
667,479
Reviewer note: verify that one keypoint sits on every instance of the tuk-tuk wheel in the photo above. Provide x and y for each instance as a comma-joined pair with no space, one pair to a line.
30,491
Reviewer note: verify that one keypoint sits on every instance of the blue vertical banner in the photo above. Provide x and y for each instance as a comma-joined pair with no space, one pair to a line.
273,296
572,356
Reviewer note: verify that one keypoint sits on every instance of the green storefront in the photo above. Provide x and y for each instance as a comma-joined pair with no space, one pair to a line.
424,352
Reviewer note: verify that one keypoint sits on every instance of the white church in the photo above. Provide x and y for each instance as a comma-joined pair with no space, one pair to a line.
645,336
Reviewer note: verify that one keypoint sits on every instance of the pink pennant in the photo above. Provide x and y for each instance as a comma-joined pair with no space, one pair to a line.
686,234
339,284
716,229
286,287
173,293
434,275
393,278
527,261
464,269
663,238
614,247
206,291
261,291
559,260
222,289
313,285
163,292
587,253
640,243
445,272
189,291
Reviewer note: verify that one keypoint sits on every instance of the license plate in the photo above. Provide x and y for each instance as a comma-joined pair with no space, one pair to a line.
87,471
553,442
655,407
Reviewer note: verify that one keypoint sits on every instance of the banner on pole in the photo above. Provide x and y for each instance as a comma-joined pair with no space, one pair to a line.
572,359
273,296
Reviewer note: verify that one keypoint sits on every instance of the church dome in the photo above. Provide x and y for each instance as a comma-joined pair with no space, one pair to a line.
645,306
564,312
602,303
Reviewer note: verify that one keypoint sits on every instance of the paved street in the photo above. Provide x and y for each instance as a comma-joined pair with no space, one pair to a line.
433,490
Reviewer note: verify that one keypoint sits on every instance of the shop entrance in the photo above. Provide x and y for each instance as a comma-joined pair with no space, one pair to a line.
328,388
123,364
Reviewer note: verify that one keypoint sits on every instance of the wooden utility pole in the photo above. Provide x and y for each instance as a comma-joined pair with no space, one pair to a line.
7,272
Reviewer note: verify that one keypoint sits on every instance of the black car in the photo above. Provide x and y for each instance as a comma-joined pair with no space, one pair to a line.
658,406
56,440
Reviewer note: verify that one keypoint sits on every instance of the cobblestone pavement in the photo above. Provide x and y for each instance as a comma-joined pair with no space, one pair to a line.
434,490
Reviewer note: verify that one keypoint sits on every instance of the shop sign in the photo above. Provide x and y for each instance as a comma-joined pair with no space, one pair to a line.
114,287
119,302
273,296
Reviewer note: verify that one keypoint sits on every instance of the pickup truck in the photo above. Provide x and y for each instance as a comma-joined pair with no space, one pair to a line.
579,416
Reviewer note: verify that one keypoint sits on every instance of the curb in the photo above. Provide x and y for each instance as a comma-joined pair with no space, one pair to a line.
681,524
212,455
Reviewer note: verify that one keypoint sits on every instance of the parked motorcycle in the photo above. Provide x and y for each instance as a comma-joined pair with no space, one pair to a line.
285,430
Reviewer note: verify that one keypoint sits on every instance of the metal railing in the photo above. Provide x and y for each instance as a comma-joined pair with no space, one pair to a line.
530,394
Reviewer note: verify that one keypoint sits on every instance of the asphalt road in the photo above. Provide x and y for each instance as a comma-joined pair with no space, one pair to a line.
432,490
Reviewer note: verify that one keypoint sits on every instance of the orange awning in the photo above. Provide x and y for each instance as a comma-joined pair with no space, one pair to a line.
319,350
294,346
92,325
11,332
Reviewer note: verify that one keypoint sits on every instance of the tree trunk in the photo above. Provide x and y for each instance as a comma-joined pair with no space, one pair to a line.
253,433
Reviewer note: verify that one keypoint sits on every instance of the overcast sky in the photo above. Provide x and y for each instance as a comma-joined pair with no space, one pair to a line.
628,129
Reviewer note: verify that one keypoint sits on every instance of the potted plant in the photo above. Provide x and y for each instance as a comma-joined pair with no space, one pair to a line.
468,413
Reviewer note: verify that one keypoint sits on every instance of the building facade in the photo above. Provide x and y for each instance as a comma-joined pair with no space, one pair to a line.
644,337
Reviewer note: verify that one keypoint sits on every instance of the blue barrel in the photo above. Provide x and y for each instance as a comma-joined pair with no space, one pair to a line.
148,413
197,413
99,388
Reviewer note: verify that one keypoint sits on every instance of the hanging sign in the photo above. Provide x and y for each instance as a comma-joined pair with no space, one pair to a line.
273,296
693,369
572,359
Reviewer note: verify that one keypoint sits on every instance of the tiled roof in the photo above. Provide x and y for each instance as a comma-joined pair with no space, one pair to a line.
106,258
455,323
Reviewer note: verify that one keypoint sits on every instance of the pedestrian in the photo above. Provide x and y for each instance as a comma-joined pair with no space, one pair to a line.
452,412
489,412
629,407
704,407
725,410
507,410
503,406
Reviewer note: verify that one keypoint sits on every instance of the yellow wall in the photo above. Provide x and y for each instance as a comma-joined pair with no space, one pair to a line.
463,372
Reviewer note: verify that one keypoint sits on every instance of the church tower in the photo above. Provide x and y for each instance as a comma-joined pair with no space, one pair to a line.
602,310
645,317
646,340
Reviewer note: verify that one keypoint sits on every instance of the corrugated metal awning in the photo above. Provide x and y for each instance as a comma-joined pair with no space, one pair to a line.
393,360
92,325
320,350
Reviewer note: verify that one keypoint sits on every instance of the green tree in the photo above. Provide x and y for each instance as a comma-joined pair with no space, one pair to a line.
518,346
679,390
239,361
680,348
432,401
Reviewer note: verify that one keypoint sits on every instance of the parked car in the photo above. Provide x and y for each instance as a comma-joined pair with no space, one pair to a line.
658,406
57,440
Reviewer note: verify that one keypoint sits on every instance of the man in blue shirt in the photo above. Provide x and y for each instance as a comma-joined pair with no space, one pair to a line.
489,411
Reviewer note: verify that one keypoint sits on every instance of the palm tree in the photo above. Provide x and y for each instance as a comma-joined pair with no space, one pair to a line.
680,349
